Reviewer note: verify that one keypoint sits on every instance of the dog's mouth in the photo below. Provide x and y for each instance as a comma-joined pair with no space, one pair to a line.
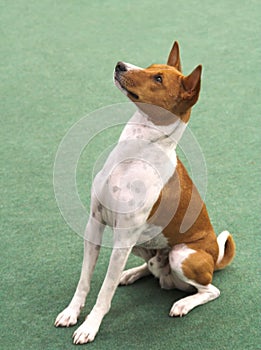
124,89
132,94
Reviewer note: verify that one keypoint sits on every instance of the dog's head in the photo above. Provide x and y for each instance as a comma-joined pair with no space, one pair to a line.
161,85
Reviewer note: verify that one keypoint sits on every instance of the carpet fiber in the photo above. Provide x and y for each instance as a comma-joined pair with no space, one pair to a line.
57,59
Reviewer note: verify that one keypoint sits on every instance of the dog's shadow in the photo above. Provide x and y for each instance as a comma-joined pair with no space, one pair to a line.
147,293
142,305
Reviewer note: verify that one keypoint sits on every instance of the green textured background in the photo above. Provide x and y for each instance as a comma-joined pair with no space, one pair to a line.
57,60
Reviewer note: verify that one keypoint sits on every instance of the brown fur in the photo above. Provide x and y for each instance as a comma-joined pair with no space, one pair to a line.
230,249
176,93
199,267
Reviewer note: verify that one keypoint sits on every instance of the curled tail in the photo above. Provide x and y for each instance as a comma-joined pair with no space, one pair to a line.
227,249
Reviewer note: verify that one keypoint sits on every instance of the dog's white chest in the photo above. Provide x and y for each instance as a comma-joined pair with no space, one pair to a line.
134,174
128,186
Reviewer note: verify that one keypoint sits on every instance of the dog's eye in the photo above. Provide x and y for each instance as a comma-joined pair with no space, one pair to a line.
158,78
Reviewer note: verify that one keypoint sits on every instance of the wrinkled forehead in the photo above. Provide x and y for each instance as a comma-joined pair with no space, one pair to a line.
161,68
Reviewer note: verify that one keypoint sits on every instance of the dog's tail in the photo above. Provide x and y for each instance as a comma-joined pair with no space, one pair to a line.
227,249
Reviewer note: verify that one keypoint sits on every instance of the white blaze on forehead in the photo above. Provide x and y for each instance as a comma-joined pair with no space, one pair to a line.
130,66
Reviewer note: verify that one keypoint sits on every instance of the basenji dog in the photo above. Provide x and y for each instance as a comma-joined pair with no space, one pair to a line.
146,195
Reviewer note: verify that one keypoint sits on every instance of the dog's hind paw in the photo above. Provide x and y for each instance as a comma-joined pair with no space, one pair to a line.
132,275
128,277
68,317
180,308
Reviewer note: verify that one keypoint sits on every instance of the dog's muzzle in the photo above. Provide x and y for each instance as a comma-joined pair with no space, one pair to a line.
120,80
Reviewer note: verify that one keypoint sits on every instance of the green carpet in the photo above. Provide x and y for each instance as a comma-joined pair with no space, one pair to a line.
57,59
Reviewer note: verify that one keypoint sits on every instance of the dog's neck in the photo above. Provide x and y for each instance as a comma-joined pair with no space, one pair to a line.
142,126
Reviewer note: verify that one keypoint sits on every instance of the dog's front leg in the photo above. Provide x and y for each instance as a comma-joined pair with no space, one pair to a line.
93,237
87,331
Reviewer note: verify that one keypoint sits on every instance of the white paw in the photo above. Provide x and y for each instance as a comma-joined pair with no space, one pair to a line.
85,333
180,308
68,317
129,277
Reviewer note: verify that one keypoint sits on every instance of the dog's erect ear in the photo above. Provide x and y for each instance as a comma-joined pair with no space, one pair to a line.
174,58
191,82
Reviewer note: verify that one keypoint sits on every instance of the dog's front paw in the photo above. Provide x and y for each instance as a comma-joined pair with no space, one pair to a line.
85,333
68,317
180,308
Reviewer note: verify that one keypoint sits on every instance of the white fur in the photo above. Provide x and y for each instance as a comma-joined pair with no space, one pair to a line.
221,239
132,275
158,240
130,66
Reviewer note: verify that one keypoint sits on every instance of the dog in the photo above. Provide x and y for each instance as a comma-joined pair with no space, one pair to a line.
146,195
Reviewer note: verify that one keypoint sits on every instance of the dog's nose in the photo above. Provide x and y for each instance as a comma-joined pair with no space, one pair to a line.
120,67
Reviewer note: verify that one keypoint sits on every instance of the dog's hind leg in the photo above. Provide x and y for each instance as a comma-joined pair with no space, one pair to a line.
93,237
193,268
